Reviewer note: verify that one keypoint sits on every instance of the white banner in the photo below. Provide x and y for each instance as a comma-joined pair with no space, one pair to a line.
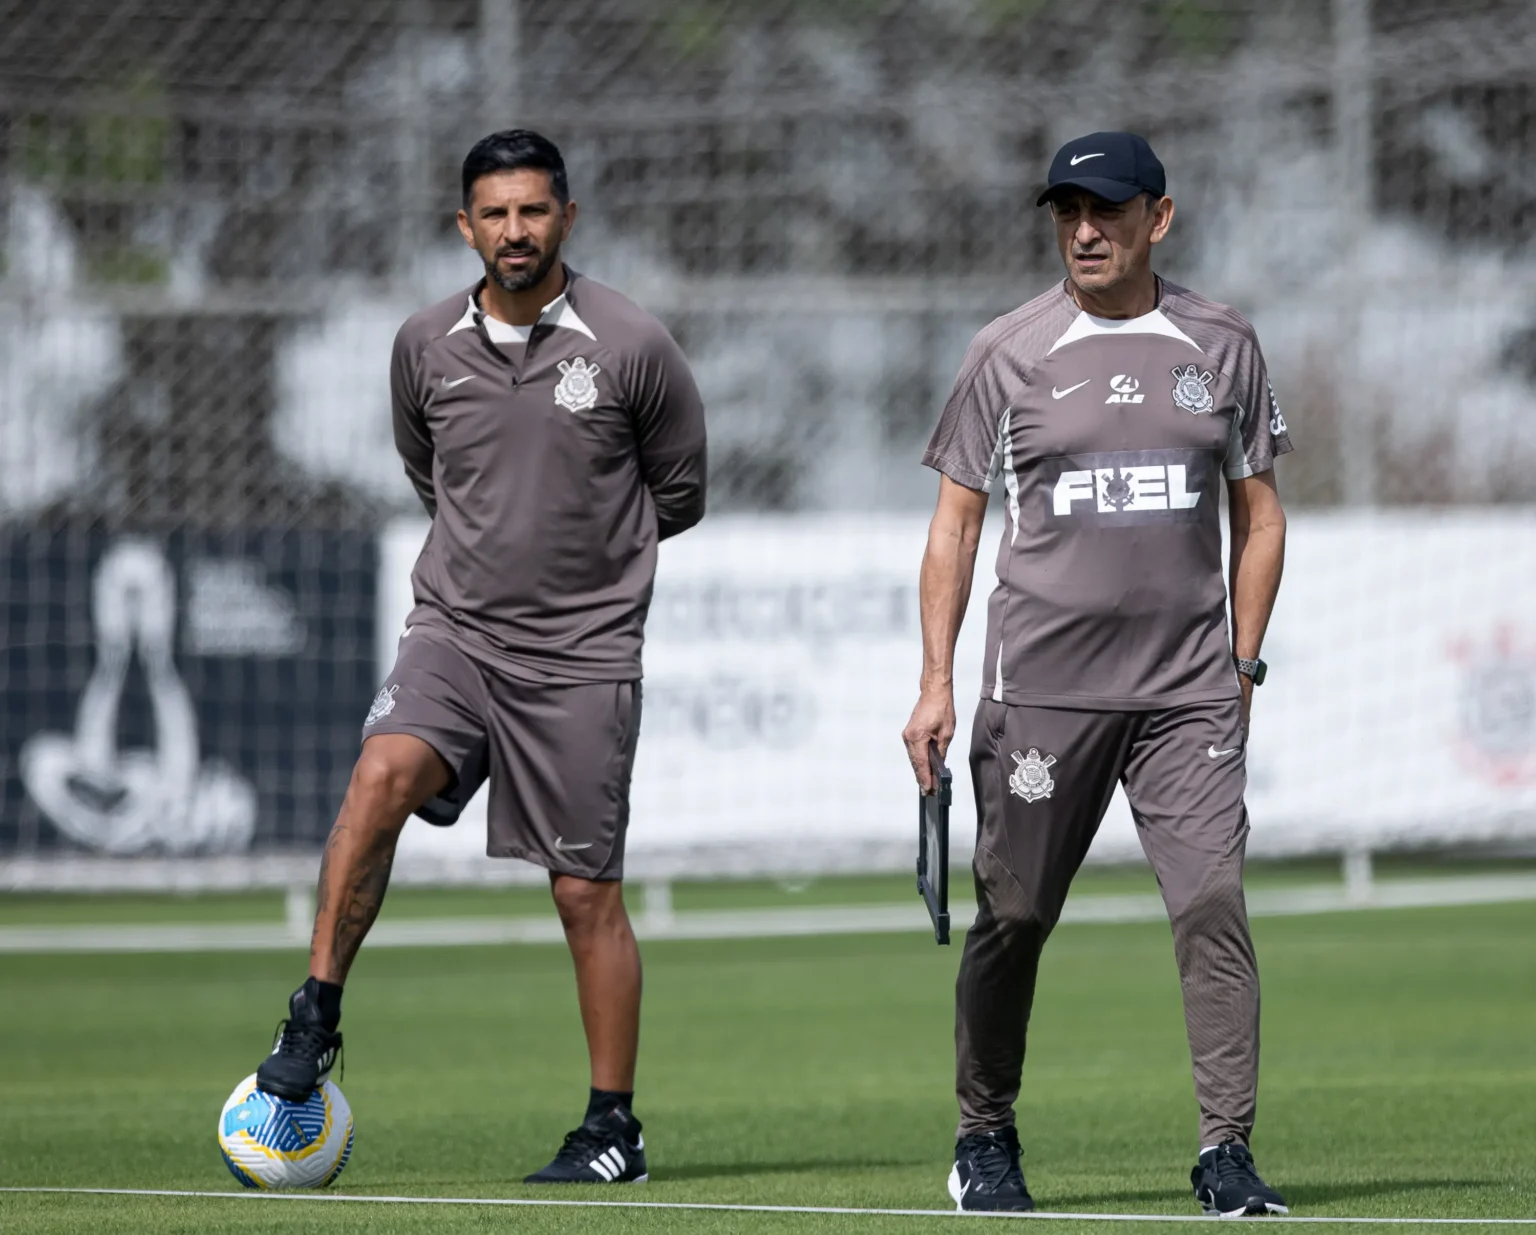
782,659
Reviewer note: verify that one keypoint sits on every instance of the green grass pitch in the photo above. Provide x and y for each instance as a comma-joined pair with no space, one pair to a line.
1399,1078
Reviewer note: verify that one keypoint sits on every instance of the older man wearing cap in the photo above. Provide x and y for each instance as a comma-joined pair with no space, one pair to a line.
1111,408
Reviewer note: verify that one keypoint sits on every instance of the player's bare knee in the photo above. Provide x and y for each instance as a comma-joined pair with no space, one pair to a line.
587,904
383,789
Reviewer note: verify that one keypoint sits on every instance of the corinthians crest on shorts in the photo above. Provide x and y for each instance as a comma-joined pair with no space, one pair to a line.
1031,779
577,390
383,705
1191,389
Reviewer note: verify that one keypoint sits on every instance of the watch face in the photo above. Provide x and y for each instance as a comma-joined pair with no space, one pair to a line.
1259,672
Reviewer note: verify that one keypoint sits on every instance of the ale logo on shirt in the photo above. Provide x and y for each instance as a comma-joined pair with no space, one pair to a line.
577,390
1125,387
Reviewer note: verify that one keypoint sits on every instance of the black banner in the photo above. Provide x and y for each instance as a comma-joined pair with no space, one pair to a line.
197,693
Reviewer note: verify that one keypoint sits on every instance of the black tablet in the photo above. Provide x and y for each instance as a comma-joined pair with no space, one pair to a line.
933,846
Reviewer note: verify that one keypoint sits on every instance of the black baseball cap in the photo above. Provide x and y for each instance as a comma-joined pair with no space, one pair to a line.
1115,166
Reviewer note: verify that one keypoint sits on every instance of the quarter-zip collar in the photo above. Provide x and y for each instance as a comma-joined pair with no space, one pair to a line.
559,312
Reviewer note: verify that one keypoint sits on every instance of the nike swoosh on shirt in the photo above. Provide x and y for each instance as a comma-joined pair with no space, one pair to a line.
1062,394
458,381
1217,754
560,844
1083,158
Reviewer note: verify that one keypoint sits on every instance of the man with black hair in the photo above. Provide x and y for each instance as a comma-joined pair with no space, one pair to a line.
1112,408
555,435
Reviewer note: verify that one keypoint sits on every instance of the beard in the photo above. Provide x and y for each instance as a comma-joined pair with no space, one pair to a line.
522,281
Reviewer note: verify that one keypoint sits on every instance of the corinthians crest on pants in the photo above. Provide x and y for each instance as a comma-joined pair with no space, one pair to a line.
383,705
1031,778
577,390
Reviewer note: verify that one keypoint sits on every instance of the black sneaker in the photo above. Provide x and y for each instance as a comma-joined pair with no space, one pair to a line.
1227,1184
986,1173
304,1054
606,1149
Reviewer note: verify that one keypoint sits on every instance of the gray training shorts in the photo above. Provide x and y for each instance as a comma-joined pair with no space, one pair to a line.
558,755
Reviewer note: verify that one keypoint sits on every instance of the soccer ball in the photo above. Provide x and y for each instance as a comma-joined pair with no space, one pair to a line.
270,1143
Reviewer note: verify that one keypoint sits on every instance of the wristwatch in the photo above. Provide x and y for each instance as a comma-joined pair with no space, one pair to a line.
1254,669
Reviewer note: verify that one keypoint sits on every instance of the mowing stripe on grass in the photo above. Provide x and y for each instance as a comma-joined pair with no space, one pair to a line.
335,1197
747,923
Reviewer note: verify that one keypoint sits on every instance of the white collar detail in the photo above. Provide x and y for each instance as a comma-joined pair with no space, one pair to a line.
1085,326
558,313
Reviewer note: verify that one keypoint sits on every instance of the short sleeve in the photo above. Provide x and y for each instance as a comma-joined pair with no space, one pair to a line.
964,443
1259,433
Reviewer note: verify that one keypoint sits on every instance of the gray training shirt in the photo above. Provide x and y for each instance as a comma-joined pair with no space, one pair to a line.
1111,438
552,459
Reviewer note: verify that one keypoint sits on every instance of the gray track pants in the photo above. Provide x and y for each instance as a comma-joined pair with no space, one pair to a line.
1043,780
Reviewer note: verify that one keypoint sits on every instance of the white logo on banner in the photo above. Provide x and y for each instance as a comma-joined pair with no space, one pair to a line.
1031,778
577,390
129,801
1498,706
232,610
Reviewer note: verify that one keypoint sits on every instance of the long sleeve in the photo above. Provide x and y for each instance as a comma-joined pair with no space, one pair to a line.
669,432
412,437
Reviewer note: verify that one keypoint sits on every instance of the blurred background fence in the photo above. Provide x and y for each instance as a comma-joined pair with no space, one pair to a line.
216,216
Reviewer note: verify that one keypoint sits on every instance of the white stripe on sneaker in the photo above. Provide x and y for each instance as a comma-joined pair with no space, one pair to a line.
599,1165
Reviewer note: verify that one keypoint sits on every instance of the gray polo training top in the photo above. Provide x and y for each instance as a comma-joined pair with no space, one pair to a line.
552,459
1111,438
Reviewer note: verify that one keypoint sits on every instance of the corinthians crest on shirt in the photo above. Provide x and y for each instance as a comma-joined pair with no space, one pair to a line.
577,390
1192,389
1031,779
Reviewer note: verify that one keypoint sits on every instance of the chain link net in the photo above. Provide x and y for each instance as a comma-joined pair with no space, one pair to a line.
215,216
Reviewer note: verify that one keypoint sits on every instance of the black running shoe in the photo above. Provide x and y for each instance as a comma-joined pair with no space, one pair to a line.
304,1054
1227,1184
986,1173
606,1149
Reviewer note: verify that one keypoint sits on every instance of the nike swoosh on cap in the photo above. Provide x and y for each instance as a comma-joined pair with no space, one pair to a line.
1062,394
1082,158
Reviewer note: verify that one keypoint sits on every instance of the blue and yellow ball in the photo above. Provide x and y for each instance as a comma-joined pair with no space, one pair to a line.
270,1143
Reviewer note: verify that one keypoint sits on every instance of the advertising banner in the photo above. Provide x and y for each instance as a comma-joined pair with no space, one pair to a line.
783,653
199,694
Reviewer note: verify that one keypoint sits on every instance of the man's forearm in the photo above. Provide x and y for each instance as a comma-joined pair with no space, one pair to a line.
677,509
944,588
1258,558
